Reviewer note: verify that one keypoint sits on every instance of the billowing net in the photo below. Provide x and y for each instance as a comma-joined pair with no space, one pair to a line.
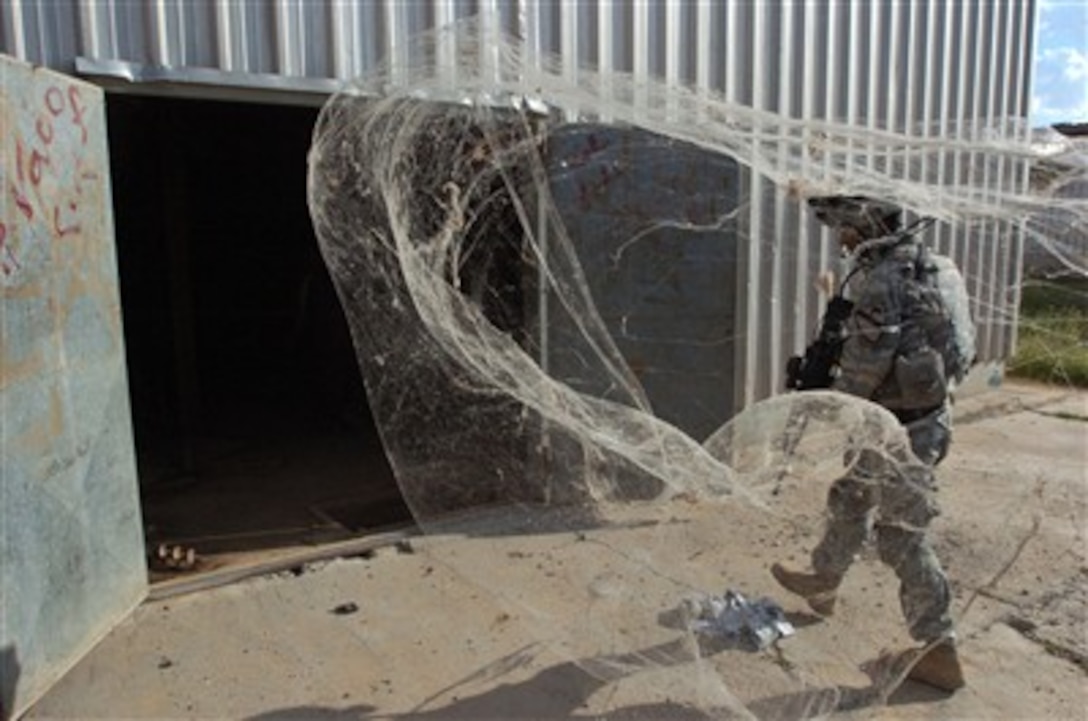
540,273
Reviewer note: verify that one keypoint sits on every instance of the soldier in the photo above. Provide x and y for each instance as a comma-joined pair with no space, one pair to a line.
906,340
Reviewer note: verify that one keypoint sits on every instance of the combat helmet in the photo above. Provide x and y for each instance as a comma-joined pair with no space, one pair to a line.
870,217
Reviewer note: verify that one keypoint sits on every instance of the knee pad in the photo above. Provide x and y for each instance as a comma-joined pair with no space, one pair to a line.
851,497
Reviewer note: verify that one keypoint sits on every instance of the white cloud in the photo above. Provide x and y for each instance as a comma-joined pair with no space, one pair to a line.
1076,65
1061,85
1072,62
1049,111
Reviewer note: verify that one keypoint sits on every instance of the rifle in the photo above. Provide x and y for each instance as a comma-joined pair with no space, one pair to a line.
815,368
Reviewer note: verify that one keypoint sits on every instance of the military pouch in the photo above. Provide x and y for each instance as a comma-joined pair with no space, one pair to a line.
921,379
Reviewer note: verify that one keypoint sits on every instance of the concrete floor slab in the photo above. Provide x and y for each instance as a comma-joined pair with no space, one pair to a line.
503,627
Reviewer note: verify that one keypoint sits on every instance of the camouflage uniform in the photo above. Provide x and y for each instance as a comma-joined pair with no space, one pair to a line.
896,494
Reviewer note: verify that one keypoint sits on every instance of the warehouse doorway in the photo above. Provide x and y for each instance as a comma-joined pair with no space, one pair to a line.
251,422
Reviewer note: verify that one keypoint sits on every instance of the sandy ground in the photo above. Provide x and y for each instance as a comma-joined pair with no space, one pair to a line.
562,623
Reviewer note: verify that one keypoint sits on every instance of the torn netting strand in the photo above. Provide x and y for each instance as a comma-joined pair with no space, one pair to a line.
539,275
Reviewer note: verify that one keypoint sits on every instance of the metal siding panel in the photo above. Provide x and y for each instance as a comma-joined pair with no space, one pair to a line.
395,38
993,66
737,79
588,52
943,109
656,41
509,12
971,258
63,24
988,256
13,24
551,25
490,62
701,36
672,34
158,33
874,62
640,32
201,33
958,116
686,45
606,34
766,284
911,85
260,37
311,38
838,45
786,273
827,38
28,34
367,32
568,39
732,52
721,50
179,35
1009,178
895,66
810,302
625,32
283,29
336,30
445,13
91,27
1006,177
856,71
130,33
224,52
240,43
1029,40
928,48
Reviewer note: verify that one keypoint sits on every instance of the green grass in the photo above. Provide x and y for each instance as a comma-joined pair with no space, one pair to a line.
1049,296
1053,340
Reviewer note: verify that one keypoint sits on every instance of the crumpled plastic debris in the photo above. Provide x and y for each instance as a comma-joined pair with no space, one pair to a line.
754,625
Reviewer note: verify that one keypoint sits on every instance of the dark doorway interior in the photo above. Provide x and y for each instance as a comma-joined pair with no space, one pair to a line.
252,426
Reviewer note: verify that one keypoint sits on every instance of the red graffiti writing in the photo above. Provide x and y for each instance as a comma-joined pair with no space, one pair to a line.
8,262
54,101
45,131
22,203
37,160
39,155
75,100
70,226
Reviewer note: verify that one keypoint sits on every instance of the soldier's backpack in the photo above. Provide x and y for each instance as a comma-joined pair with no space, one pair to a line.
939,339
960,353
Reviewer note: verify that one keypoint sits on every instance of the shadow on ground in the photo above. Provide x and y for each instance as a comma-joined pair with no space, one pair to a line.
563,691
9,679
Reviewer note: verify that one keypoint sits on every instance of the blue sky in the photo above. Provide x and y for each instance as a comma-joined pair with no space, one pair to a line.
1060,94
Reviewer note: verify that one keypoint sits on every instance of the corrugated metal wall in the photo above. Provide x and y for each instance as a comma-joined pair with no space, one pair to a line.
928,68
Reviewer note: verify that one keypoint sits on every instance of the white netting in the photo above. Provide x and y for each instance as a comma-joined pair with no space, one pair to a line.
490,278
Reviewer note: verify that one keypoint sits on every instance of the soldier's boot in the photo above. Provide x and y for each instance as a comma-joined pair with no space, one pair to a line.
819,590
940,668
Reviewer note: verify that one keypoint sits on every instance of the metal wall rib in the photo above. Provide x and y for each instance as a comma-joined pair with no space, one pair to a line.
925,67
